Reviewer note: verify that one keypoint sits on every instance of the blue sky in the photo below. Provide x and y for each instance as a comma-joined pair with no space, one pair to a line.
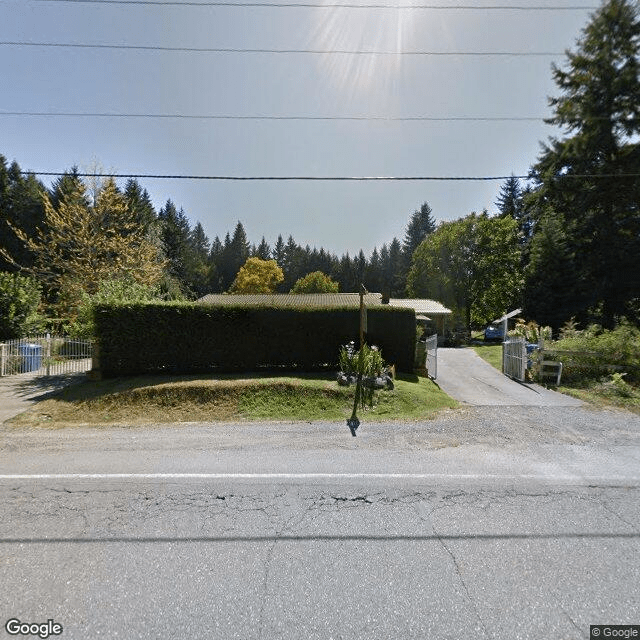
341,216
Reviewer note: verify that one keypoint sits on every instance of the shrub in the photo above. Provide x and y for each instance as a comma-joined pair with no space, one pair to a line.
114,292
189,337
598,351
19,302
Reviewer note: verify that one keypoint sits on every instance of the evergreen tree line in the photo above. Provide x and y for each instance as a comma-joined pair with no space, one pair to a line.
195,265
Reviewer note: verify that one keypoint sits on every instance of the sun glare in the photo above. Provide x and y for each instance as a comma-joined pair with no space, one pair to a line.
345,30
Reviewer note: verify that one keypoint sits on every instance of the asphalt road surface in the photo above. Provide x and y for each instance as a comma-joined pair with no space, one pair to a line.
488,522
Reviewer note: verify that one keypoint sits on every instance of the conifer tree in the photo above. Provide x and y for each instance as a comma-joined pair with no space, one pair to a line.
590,177
420,225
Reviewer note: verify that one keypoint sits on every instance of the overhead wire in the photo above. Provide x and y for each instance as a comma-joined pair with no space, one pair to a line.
234,50
330,5
361,118
224,50
303,178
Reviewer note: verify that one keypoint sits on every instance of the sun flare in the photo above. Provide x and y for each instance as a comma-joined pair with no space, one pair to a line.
350,33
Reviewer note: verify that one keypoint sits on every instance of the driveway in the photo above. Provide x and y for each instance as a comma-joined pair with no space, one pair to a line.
19,392
465,376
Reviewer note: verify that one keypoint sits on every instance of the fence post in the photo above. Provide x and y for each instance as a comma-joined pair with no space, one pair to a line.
95,373
47,353
3,354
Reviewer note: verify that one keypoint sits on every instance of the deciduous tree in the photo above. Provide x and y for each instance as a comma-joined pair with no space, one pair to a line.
471,265
81,245
257,276
315,282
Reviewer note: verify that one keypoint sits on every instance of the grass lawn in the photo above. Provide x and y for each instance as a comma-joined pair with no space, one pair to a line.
491,352
599,393
162,399
603,394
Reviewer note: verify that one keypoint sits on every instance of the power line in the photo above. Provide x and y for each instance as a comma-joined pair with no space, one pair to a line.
181,116
314,5
131,47
316,178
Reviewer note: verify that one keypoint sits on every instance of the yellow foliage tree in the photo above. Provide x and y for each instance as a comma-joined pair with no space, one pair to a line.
82,245
257,276
316,282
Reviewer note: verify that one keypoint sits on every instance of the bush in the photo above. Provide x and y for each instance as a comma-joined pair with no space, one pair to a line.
190,338
19,302
598,351
114,292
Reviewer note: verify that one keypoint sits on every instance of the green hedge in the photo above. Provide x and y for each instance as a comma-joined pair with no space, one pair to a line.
196,338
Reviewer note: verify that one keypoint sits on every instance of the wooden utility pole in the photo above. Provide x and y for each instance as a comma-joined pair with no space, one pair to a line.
353,421
363,315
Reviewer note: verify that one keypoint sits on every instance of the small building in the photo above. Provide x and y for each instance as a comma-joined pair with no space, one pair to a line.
433,314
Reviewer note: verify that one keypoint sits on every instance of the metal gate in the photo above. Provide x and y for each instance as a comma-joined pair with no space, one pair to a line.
432,356
514,358
45,356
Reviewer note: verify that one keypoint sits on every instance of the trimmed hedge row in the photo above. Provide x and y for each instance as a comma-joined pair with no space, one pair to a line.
196,338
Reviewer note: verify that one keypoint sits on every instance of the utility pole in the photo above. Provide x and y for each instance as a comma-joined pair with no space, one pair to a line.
353,423
363,315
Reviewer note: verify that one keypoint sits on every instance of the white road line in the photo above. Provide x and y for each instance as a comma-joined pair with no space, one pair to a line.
313,476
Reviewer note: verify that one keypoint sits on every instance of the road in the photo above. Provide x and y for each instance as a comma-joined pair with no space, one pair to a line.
488,522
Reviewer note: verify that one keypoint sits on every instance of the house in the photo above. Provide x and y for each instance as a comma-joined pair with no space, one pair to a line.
293,299
431,313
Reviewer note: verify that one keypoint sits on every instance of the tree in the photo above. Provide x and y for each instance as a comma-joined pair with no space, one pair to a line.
141,205
19,301
316,282
122,290
200,273
20,206
291,266
79,246
393,271
263,251
373,277
278,252
471,265
551,265
509,200
257,276
421,224
345,273
591,176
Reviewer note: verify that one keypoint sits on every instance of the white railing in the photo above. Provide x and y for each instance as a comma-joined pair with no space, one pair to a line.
514,358
45,355
432,356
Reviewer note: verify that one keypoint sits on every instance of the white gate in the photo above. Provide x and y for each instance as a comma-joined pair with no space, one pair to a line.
514,358
45,355
432,356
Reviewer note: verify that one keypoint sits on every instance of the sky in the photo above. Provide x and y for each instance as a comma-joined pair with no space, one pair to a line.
329,84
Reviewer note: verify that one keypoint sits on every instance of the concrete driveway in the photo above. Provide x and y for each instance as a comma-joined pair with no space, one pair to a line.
19,392
465,376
